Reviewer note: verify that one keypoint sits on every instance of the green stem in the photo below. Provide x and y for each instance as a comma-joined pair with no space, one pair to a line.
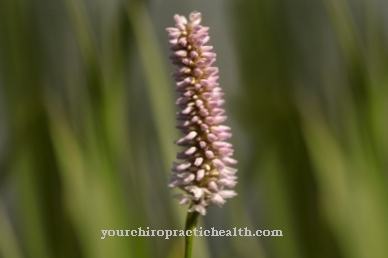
191,222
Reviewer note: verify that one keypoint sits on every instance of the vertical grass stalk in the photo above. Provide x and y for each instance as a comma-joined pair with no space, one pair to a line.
191,223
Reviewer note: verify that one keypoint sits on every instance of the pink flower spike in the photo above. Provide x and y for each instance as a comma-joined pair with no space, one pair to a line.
204,173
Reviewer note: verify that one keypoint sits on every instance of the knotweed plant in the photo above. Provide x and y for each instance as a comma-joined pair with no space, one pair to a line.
203,172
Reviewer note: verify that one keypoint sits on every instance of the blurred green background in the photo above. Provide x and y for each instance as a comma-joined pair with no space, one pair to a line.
87,127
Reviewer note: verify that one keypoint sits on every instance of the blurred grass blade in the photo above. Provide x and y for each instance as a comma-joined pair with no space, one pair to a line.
159,88
9,246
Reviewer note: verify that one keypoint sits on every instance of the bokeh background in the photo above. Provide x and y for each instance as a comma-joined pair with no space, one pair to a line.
87,127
